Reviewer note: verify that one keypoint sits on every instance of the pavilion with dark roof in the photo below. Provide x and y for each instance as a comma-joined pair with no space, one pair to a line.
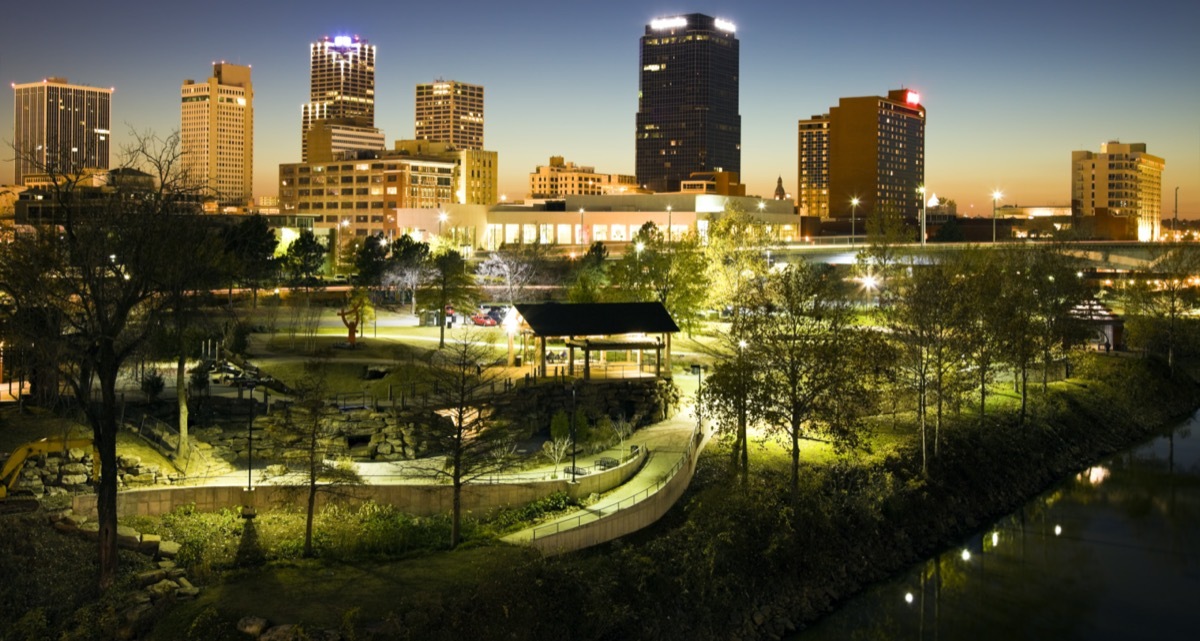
601,327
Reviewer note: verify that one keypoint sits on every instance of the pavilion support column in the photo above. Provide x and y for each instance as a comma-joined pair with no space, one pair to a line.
658,363
668,363
587,362
571,356
542,355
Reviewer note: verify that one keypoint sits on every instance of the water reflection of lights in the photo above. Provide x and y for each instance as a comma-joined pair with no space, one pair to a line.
1094,475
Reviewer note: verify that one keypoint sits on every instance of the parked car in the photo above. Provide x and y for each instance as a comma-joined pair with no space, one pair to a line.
483,320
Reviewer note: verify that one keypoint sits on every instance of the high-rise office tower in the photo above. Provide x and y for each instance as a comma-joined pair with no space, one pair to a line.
342,76
60,128
869,150
687,118
217,134
451,112
1121,180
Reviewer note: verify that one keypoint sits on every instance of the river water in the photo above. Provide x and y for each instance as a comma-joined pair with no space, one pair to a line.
1111,553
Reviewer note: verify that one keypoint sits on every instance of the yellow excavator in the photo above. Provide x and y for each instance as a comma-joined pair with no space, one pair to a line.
10,472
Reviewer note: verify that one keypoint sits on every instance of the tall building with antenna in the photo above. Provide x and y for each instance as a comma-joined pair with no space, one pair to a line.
342,84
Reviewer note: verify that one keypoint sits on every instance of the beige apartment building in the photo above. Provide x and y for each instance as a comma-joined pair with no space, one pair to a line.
217,135
1122,181
560,179
451,112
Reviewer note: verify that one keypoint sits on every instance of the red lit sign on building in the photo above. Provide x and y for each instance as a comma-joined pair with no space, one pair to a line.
912,98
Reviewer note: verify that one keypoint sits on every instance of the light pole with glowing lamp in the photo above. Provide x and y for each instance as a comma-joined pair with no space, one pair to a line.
670,236
582,236
853,215
996,196
441,219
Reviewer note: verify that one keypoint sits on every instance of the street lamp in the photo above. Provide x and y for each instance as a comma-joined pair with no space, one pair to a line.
670,236
853,214
441,219
921,190
582,236
996,195
574,412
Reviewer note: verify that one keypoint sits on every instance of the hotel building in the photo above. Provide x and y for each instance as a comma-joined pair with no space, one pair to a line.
560,179
217,134
870,148
1122,181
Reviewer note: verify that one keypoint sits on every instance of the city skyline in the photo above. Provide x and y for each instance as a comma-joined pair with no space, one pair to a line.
1010,90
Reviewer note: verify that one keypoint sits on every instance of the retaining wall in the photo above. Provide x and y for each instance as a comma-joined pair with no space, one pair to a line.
421,500
624,521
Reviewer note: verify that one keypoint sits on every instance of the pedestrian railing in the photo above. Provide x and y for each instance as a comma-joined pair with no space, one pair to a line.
596,512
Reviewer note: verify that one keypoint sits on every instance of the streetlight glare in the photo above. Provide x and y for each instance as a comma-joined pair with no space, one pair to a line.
997,195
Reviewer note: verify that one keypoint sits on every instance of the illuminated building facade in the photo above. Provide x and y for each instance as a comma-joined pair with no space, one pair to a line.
60,128
217,134
812,198
360,196
450,111
560,179
870,148
687,119
1120,181
342,83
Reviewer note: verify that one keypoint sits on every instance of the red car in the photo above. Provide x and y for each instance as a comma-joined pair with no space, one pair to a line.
483,320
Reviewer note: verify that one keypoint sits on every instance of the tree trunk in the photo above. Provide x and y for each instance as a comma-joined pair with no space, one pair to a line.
104,431
795,462
456,515
308,521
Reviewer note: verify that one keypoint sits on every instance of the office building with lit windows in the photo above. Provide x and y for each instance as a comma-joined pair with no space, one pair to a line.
687,118
869,148
451,112
217,134
60,128
1122,181
561,178
342,84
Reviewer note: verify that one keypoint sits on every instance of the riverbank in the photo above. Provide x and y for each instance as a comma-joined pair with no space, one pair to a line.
744,562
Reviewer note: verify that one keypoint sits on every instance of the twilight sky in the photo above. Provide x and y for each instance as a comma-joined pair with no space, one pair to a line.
1010,87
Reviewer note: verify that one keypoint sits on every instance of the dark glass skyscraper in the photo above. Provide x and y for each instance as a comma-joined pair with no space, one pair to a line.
687,118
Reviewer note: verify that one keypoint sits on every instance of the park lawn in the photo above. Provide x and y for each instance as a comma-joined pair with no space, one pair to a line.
317,594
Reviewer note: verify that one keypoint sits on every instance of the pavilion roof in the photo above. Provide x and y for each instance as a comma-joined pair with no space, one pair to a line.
597,319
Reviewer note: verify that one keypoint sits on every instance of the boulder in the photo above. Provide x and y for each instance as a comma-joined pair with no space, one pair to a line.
74,468
285,632
150,577
128,538
168,549
74,479
162,589
75,454
65,527
90,530
150,544
74,519
128,460
187,593
253,626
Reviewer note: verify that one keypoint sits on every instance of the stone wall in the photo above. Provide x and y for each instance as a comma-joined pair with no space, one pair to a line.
59,473
420,500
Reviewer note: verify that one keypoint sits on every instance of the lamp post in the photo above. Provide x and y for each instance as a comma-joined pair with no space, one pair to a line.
574,412
921,190
670,236
698,370
853,215
582,236
996,196
441,219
